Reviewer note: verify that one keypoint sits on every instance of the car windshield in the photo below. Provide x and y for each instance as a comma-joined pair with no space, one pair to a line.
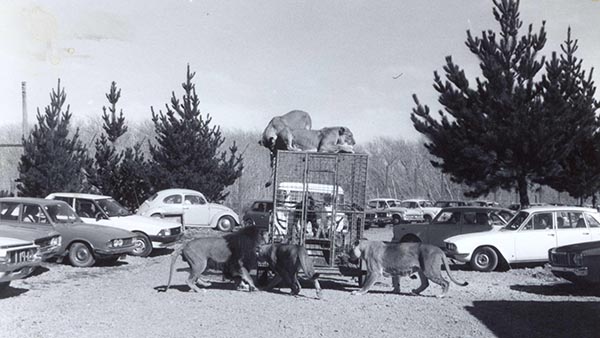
393,204
112,208
62,213
515,222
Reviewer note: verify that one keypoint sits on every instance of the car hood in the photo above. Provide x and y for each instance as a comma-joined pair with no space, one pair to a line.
11,242
94,231
139,222
485,236
578,247
25,233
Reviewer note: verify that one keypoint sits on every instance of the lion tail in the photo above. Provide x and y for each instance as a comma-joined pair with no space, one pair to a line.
307,264
174,257
447,267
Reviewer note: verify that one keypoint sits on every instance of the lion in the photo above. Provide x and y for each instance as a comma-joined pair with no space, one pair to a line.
285,260
402,259
235,251
278,133
325,140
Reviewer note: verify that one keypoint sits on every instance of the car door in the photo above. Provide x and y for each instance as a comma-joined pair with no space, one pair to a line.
593,222
196,210
533,240
571,228
172,205
446,224
261,214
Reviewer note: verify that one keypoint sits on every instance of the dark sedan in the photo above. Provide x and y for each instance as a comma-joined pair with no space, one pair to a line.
578,263
83,244
259,214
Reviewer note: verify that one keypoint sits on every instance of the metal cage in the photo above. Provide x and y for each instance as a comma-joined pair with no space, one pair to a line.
318,202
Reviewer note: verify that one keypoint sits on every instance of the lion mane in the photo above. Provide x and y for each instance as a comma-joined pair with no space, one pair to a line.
235,252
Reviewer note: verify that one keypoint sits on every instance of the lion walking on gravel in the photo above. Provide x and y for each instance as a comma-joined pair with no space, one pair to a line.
236,252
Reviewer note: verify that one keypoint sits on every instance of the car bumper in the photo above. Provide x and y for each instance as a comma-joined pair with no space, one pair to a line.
10,272
114,251
49,253
164,241
580,271
464,258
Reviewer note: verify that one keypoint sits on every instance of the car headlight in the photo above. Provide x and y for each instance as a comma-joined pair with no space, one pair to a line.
451,246
578,259
56,241
165,232
117,243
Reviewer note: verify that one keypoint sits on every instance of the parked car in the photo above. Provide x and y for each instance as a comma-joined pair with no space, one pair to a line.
578,263
83,244
449,203
527,237
483,203
195,208
18,259
384,211
46,238
453,221
426,206
151,233
259,214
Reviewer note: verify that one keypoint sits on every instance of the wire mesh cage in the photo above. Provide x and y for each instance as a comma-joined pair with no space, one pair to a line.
318,202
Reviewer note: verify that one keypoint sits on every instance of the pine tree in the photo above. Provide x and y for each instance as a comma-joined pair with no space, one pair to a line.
568,90
134,185
186,151
52,160
498,134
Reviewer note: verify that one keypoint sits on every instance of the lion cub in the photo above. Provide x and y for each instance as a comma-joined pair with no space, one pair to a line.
285,260
402,259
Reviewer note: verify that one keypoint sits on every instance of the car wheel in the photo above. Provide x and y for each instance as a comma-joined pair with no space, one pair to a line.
80,255
4,285
143,246
226,223
484,259
249,222
427,218
156,215
396,220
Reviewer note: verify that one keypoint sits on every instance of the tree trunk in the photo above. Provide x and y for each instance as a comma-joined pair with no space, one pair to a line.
523,194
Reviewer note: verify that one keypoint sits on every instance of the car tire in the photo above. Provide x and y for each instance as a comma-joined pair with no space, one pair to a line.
4,285
226,223
396,220
143,245
427,218
80,255
485,259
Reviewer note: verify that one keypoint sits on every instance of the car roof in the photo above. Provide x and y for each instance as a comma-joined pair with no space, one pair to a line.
557,208
32,200
383,199
474,208
416,200
179,191
79,195
262,201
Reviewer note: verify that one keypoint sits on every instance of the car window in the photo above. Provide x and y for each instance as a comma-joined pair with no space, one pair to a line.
373,204
447,217
194,199
32,213
10,211
173,199
540,221
426,204
382,204
85,208
496,219
591,221
469,218
69,200
506,215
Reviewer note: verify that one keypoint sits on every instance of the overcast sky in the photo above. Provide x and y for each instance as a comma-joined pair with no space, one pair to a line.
256,59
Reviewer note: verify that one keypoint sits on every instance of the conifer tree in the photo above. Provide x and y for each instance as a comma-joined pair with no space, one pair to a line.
52,160
186,153
497,134
567,89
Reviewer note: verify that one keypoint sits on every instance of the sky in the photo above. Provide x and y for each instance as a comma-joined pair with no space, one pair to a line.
350,63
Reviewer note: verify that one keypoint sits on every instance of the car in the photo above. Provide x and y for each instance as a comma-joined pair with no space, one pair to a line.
384,211
258,214
18,259
449,203
578,263
426,206
453,221
195,208
82,244
151,233
48,239
526,238
483,203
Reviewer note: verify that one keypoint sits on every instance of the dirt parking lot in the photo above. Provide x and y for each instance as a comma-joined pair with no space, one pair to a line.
122,301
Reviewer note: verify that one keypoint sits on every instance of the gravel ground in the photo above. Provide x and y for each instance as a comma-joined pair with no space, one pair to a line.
122,301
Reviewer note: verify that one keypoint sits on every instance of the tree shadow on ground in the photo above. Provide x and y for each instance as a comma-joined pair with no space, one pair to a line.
161,252
535,319
560,289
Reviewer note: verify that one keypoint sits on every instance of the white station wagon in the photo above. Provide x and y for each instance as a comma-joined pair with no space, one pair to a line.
526,238
151,233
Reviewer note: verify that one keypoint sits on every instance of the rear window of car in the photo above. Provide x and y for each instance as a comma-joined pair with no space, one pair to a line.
172,199
152,198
